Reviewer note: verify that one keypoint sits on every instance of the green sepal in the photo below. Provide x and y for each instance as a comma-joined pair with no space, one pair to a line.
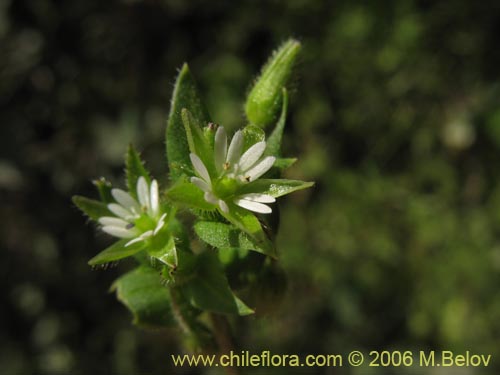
251,135
116,252
104,188
222,235
273,144
90,207
248,222
197,142
184,193
284,163
166,254
185,95
264,100
134,168
147,299
209,288
274,187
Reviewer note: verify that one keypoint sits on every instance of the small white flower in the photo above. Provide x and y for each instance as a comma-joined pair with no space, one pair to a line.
128,211
233,170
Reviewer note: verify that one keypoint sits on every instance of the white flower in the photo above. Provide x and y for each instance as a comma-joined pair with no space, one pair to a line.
233,170
128,211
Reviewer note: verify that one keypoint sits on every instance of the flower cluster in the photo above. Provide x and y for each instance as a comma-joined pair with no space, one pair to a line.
233,170
134,219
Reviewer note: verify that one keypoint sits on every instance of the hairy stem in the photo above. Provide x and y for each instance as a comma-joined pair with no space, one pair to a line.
224,338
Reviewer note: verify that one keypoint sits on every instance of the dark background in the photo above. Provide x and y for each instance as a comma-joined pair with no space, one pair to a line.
395,116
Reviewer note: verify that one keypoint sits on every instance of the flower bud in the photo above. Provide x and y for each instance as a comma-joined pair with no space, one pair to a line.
263,104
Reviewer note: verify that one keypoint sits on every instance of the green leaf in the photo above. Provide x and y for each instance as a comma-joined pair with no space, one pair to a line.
222,235
90,207
209,289
264,100
134,167
185,95
104,187
273,144
274,187
146,298
184,193
116,252
247,222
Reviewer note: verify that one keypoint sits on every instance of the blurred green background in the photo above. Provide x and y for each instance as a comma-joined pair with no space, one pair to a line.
395,116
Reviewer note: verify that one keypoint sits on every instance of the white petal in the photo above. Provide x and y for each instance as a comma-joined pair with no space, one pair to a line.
253,206
154,198
160,224
137,239
118,232
146,234
142,192
251,156
223,206
234,152
210,198
258,170
201,184
125,199
262,198
220,148
120,211
142,237
113,221
199,167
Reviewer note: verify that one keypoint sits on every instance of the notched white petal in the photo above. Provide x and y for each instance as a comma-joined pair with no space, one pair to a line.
124,199
199,167
113,221
160,224
120,211
251,155
154,197
143,192
223,206
258,170
234,152
201,184
210,198
220,148
256,197
253,206
118,231
135,240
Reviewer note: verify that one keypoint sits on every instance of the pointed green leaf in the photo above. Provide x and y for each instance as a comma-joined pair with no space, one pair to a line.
247,222
184,193
90,207
104,187
274,187
116,252
185,95
209,289
264,100
222,235
146,298
134,167
274,141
